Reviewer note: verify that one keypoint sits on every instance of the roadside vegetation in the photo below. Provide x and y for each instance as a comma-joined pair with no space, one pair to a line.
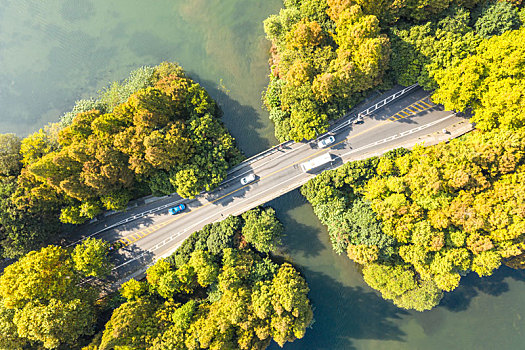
219,290
417,221
42,301
157,132
327,55
216,292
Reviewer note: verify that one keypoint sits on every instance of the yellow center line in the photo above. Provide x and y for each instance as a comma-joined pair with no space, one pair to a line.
167,222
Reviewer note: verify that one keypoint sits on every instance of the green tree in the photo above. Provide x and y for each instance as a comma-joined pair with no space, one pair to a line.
133,289
50,307
324,55
497,18
132,325
55,323
10,157
91,257
204,266
262,229
9,338
490,82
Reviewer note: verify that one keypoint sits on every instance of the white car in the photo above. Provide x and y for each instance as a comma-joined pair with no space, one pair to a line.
247,179
326,142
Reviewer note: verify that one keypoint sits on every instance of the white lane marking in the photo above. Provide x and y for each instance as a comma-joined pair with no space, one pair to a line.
390,138
373,108
245,200
404,133
127,220
172,237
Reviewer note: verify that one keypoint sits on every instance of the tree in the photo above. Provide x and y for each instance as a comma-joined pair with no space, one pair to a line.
425,297
42,289
133,290
491,82
56,323
221,235
324,55
132,325
10,157
262,229
497,18
204,266
9,338
43,275
228,299
91,258
158,125
284,302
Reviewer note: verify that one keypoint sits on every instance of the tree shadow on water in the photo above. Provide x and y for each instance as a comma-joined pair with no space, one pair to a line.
298,237
242,121
472,285
345,313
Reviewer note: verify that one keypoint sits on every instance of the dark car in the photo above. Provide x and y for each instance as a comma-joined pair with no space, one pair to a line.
177,209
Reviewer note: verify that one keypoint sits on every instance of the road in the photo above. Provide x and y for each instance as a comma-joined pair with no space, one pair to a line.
404,122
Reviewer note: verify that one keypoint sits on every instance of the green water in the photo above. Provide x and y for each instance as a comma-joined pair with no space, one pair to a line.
54,52
486,313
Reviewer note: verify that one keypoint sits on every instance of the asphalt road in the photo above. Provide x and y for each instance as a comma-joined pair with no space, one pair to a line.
158,234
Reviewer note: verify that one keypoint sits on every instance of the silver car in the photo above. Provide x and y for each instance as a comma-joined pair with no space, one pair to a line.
247,179
327,141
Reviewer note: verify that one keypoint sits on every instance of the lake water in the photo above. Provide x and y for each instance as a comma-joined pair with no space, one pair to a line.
54,52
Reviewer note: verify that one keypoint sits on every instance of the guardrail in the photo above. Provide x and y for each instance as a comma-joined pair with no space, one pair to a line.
258,156
374,108
366,112
266,153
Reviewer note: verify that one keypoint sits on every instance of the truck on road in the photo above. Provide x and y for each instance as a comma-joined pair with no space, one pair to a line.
316,162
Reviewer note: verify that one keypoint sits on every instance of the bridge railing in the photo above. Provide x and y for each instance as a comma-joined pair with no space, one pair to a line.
366,112
264,154
373,108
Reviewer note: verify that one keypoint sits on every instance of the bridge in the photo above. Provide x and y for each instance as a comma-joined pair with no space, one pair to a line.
147,232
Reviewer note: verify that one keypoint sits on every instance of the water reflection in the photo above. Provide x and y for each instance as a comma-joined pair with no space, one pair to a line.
350,315
471,286
58,51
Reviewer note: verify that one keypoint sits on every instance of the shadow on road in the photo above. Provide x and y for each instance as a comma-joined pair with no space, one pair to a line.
225,194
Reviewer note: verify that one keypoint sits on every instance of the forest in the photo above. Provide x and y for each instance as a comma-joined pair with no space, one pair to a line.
419,220
415,221
158,132
327,55
219,290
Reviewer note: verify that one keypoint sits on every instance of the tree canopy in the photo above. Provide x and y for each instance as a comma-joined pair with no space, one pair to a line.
204,297
157,132
491,82
423,219
42,302
325,55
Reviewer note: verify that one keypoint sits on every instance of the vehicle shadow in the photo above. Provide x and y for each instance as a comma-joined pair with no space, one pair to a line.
228,191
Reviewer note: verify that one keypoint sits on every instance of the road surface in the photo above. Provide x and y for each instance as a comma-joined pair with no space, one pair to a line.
404,122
